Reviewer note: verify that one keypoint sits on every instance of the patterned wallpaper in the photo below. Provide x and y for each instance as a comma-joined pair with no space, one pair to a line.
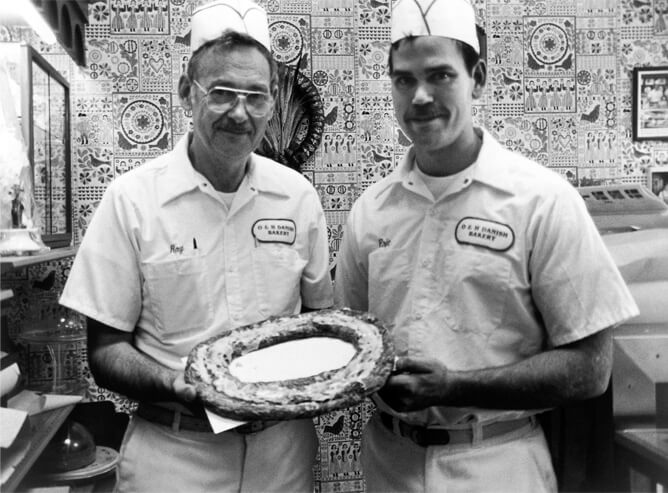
559,91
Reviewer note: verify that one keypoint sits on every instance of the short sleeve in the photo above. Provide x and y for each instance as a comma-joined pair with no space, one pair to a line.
576,285
105,282
316,282
351,282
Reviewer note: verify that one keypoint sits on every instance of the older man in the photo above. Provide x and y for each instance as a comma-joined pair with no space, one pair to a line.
172,258
487,269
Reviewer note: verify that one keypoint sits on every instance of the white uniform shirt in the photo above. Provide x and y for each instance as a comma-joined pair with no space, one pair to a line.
507,263
165,258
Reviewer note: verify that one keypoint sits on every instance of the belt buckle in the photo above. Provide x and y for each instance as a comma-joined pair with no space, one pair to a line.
424,438
251,427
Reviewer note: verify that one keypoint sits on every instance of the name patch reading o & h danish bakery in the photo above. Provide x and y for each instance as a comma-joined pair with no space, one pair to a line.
484,233
275,231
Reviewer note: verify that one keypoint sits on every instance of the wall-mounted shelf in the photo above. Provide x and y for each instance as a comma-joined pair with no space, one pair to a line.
11,263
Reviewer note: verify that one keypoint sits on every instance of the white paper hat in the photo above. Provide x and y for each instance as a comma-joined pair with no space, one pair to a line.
212,18
447,18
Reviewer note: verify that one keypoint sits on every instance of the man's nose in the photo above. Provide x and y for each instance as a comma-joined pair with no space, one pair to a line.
422,94
238,111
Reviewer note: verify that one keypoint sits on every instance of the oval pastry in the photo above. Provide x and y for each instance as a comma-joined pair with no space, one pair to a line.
209,364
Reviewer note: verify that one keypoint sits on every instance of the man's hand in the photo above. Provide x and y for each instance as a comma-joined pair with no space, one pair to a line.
415,385
184,391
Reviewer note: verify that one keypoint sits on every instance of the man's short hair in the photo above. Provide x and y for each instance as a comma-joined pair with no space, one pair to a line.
471,58
226,43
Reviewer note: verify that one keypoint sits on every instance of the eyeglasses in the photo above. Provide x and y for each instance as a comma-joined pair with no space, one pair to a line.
221,99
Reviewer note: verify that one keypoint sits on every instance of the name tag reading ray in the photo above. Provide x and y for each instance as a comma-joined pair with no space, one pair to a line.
484,233
275,231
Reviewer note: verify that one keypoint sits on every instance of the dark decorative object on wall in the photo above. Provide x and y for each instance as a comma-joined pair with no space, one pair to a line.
295,130
68,19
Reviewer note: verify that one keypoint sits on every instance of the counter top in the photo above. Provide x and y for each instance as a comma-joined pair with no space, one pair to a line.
10,263
646,450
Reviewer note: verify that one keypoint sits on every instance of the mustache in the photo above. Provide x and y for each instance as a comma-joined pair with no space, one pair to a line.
425,112
228,125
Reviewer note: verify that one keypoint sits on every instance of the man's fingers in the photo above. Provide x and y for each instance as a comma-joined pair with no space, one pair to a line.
407,364
184,391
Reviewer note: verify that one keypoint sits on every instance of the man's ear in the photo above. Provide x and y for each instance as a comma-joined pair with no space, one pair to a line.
274,96
479,78
184,91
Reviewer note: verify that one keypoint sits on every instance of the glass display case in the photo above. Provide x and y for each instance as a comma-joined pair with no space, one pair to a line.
44,114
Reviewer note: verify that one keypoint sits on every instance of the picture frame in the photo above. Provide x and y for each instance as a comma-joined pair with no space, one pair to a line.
650,103
657,181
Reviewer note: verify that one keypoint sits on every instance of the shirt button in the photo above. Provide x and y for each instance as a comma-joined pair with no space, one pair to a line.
418,316
425,263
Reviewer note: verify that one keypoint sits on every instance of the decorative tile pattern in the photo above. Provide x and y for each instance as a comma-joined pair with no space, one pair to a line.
332,36
142,124
550,43
290,37
139,17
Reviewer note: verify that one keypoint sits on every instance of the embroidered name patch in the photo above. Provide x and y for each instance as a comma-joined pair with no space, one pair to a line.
275,231
484,233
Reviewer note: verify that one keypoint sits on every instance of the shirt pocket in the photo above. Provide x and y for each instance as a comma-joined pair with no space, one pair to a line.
389,281
477,291
277,269
179,294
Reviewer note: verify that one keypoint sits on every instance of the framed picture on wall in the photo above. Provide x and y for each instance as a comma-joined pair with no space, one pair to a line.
650,103
657,181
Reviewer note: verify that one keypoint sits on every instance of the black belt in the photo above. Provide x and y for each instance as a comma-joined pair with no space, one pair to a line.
426,436
180,421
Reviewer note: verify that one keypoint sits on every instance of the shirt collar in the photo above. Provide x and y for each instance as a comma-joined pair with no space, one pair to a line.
180,176
493,164
490,167
261,178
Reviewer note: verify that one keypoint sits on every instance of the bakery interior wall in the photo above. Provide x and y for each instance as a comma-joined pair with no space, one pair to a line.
559,91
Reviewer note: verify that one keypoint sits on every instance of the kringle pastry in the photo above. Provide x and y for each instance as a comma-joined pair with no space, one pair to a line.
236,376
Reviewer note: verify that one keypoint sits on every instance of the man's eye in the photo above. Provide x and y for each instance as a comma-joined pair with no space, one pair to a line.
221,95
403,82
440,77
256,98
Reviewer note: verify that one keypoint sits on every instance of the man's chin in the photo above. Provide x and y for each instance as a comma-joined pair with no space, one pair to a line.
430,140
432,127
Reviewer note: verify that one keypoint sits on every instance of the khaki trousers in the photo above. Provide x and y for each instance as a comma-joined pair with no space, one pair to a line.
516,462
154,458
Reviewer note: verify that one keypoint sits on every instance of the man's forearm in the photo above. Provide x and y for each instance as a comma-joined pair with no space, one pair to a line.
573,372
128,372
117,365
548,379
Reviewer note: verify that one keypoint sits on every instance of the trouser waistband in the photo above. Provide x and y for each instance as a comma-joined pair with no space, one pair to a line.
181,421
425,436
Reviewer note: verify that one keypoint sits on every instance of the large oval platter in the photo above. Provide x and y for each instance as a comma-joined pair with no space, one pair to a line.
211,366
